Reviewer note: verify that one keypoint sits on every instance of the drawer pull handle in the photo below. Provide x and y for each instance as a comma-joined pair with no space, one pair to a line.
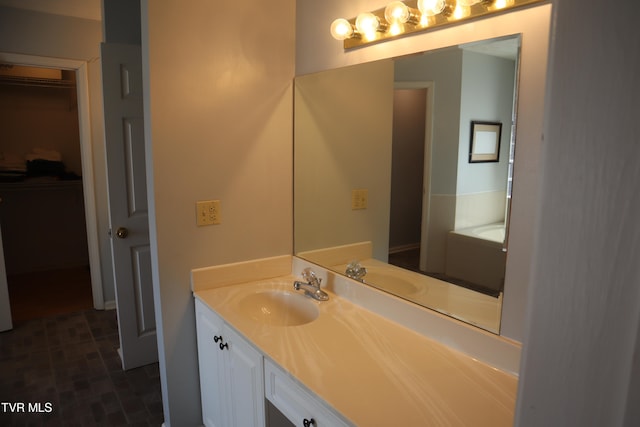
308,423
218,338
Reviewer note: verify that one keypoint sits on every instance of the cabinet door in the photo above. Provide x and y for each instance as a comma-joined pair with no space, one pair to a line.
231,374
211,364
246,381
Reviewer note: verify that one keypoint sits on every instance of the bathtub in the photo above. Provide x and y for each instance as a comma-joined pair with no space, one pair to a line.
476,255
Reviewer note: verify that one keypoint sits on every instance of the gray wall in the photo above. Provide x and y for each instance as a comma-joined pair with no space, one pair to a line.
445,70
43,34
487,95
121,21
581,362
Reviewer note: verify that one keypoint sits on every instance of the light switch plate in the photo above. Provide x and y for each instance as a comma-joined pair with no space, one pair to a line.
208,212
359,199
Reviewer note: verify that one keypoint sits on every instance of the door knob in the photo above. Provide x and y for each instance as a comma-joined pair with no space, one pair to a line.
122,232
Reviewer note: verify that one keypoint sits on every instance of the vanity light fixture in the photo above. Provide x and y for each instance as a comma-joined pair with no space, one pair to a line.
400,18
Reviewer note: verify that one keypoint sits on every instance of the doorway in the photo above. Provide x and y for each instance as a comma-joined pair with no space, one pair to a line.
410,172
66,201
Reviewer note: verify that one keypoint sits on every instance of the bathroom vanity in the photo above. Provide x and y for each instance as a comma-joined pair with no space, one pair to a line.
361,358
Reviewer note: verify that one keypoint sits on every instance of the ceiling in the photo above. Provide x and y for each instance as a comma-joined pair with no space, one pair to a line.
87,9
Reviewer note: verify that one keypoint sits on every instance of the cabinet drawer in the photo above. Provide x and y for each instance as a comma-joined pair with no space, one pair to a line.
295,402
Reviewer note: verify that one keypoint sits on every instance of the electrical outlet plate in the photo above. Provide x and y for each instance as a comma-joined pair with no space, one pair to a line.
359,199
208,212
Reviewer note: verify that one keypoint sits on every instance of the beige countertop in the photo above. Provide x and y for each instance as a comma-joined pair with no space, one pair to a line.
373,371
458,302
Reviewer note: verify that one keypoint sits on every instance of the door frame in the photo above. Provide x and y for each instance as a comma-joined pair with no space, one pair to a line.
426,179
86,155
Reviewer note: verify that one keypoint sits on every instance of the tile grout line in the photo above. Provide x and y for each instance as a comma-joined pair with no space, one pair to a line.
57,410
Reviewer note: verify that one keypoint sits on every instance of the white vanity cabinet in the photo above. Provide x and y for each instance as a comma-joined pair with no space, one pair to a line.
296,403
231,374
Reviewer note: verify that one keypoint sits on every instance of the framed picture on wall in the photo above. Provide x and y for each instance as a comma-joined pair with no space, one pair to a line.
485,142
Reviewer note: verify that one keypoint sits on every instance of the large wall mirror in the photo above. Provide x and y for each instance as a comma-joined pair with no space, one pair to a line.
402,174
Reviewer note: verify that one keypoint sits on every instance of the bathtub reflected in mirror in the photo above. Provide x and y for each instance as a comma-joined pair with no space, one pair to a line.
431,226
476,255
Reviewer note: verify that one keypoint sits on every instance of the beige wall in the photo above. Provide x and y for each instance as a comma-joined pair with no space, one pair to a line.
218,111
339,150
316,50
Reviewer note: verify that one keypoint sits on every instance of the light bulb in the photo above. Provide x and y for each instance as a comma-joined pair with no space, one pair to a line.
396,11
341,29
431,7
460,11
501,4
367,23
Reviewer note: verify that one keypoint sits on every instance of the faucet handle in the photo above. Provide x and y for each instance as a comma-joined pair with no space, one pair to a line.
355,270
310,276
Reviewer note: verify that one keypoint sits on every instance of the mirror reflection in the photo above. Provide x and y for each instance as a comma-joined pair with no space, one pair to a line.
402,174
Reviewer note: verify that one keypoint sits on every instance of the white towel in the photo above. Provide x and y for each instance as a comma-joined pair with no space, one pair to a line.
43,154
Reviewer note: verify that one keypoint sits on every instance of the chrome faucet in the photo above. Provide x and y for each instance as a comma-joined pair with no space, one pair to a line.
312,285
356,271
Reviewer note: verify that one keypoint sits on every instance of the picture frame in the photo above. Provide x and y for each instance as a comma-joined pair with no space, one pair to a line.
484,146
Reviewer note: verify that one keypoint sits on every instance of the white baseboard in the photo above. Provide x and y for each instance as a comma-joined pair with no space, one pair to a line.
110,305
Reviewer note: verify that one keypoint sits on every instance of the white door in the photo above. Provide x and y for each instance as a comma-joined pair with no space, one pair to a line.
127,188
5,307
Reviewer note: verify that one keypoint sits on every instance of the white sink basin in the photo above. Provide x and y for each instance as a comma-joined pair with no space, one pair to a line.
279,308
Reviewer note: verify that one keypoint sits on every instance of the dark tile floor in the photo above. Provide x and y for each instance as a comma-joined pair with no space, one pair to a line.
65,371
